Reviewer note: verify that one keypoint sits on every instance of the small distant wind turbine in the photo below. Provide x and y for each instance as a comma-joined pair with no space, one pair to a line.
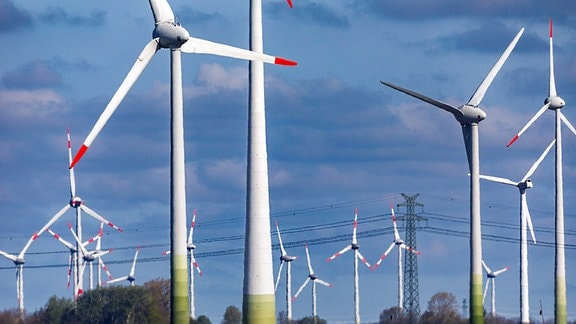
19,263
73,253
131,275
555,103
525,221
401,245
285,258
87,258
357,256
169,34
490,276
469,115
314,278
77,203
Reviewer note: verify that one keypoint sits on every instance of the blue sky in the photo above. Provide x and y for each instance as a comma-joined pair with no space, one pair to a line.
337,140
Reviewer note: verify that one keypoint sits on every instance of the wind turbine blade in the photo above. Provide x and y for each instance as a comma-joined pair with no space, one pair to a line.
444,106
486,267
496,273
310,270
116,280
339,253
526,210
162,11
133,268
8,255
485,291
467,134
99,218
282,250
354,230
98,254
300,289
290,3
483,87
278,276
105,268
499,180
53,219
69,270
141,62
552,83
61,240
201,46
83,250
195,264
410,249
192,227
71,170
567,122
322,282
530,122
384,255
537,163
363,259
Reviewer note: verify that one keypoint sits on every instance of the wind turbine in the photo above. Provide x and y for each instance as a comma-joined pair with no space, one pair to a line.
314,278
258,302
169,34
357,256
101,265
525,221
285,258
490,276
87,258
131,275
401,245
79,205
469,115
555,103
19,264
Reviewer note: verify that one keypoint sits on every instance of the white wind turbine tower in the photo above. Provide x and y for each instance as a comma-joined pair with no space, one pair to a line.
78,204
401,245
169,34
469,115
490,280
525,224
357,256
314,278
88,257
19,263
101,265
285,258
131,277
258,303
555,103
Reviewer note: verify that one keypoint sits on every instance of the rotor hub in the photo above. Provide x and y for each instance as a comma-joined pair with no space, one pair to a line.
170,35
555,102
355,246
75,202
471,114
190,246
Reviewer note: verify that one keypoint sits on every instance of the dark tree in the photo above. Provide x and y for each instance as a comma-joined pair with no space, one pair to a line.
442,308
10,316
311,320
232,315
392,315
203,319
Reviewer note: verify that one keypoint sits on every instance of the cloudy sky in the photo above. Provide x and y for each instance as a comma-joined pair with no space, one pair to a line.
337,140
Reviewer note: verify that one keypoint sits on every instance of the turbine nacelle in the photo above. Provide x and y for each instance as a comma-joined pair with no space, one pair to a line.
287,258
398,242
190,246
19,261
355,246
471,114
525,185
555,102
312,276
170,35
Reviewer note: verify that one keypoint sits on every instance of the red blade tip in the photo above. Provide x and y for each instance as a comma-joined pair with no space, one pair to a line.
282,61
290,3
79,155
512,141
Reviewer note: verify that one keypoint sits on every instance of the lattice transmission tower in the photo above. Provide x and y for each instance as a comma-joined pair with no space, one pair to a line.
411,305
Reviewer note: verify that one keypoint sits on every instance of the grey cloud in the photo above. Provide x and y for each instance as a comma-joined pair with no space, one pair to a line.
57,15
33,75
13,18
307,12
